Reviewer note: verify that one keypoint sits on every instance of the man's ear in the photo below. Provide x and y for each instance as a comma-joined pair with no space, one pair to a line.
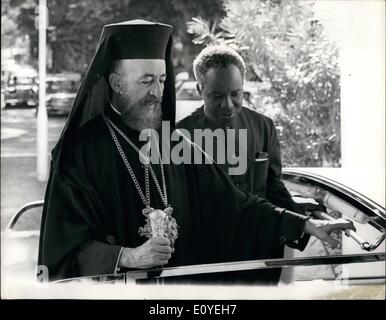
199,89
115,82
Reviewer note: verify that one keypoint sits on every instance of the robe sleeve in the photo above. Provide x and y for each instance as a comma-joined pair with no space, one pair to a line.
243,226
72,240
277,193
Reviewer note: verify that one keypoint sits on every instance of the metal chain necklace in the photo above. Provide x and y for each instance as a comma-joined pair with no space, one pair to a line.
158,222
147,167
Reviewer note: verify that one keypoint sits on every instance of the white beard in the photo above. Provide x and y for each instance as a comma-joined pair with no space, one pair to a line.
143,117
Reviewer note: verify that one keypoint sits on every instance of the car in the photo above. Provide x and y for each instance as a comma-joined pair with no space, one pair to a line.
187,99
20,242
360,259
61,93
320,184
180,78
21,89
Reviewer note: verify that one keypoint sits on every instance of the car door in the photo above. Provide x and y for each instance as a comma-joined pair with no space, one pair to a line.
20,243
340,201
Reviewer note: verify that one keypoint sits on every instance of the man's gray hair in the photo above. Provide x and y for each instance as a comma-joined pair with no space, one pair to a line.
219,56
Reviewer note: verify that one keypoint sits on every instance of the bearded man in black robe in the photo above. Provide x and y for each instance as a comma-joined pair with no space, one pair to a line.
103,195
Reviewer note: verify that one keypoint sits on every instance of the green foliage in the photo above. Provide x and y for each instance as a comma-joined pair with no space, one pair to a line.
77,26
285,47
8,24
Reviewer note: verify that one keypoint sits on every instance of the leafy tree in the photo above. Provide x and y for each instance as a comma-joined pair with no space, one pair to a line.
286,47
8,24
76,26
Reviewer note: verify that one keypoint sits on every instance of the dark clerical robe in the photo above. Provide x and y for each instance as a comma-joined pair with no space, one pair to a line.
92,209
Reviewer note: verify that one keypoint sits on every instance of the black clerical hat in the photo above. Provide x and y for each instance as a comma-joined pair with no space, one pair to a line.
138,39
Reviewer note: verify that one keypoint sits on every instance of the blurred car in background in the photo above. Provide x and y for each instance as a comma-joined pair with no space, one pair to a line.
19,87
181,78
187,99
61,93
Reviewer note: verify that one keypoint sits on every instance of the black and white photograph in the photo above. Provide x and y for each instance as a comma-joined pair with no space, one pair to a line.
210,150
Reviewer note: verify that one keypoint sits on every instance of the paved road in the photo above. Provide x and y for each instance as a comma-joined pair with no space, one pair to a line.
18,132
19,182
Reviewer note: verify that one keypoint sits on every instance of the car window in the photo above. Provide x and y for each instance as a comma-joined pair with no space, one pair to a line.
61,86
25,80
187,91
188,94
21,80
338,203
29,220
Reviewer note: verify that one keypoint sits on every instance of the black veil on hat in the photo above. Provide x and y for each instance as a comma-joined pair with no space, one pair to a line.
134,39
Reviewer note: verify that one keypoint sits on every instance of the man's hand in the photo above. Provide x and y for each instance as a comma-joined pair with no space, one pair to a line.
322,229
304,205
154,252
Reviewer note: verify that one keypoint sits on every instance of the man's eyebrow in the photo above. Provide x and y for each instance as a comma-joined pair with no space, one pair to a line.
147,75
152,75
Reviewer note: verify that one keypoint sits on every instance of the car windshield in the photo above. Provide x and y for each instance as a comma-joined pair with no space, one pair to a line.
21,80
188,91
61,86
